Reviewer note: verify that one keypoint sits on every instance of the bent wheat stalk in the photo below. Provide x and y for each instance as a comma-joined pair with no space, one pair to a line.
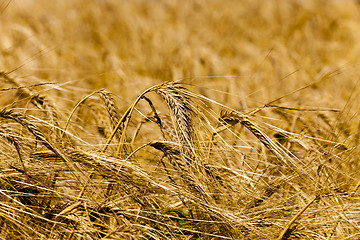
14,140
126,116
73,111
25,122
180,107
181,114
287,229
111,108
39,101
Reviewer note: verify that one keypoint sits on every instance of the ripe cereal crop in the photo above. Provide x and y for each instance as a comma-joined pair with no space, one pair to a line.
169,119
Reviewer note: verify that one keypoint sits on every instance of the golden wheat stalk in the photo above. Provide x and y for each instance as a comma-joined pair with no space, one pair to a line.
25,122
111,108
39,101
287,229
124,120
73,111
181,113
180,108
8,135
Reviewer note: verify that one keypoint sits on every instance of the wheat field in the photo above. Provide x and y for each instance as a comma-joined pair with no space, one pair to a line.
170,119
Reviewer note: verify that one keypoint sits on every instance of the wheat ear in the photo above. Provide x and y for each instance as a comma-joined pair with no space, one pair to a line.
40,102
25,122
14,140
181,113
111,108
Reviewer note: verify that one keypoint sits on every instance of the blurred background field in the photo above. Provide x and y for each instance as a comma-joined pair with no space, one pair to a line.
270,48
243,54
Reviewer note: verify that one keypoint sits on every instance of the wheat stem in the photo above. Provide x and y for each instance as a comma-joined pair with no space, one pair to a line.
286,230
126,115
73,111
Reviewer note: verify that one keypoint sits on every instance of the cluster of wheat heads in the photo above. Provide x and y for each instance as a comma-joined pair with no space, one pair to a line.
173,165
